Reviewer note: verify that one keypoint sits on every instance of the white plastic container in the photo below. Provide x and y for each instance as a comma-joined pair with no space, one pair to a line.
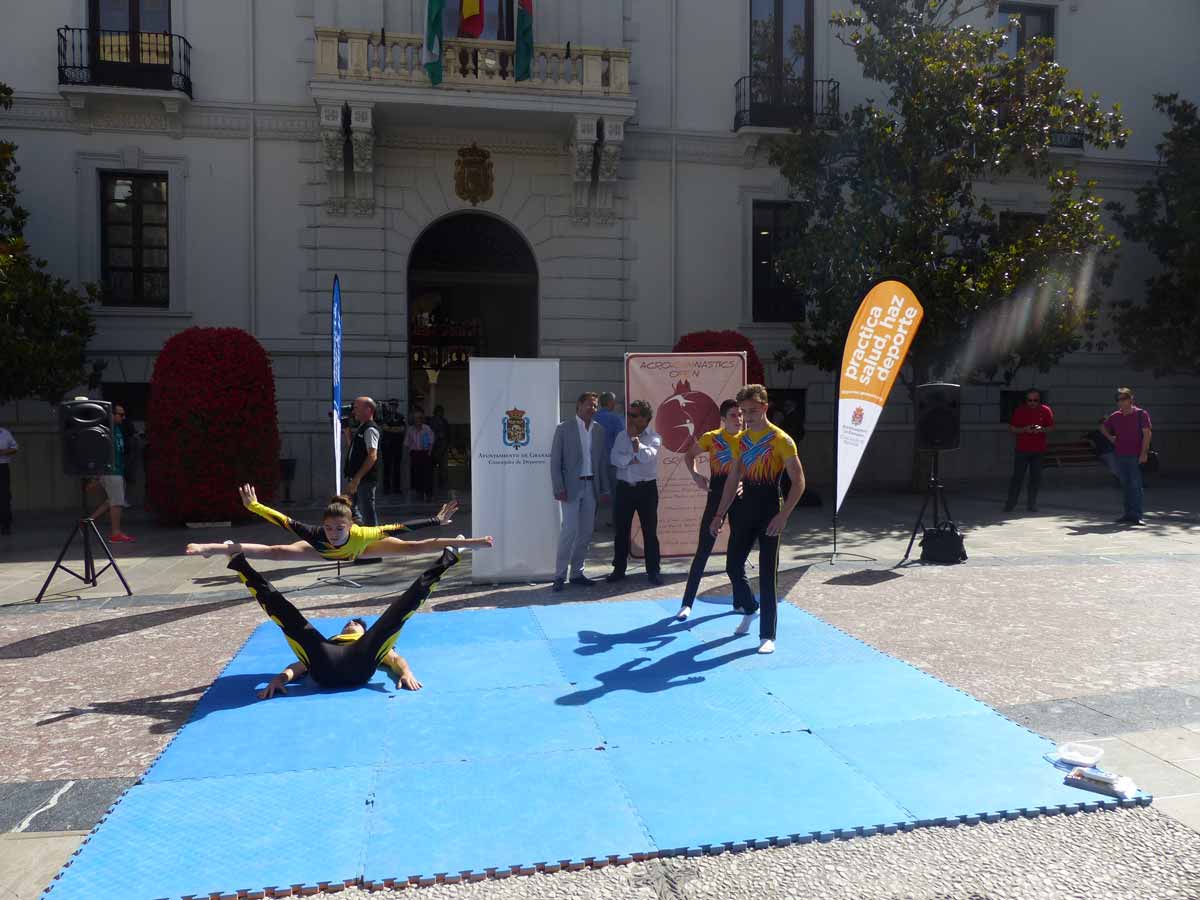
1084,755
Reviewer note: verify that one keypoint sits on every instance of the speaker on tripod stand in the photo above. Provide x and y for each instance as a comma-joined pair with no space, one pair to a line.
938,427
86,429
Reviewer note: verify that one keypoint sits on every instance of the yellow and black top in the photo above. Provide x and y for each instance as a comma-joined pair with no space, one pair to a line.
764,455
361,536
718,444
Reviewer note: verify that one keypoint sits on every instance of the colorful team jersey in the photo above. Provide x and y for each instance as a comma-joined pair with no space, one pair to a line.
361,536
764,455
718,445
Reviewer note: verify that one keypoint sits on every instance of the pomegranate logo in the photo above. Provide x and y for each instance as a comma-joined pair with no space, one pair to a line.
684,416
856,417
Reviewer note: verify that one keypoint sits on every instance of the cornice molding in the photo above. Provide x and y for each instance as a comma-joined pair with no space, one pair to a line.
451,140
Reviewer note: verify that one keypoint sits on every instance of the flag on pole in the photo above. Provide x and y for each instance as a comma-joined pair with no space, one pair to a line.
336,331
883,330
523,65
431,51
470,18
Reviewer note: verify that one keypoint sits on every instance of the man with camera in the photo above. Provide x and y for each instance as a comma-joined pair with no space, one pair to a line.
1030,424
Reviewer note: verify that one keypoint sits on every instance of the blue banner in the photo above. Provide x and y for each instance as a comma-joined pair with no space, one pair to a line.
336,332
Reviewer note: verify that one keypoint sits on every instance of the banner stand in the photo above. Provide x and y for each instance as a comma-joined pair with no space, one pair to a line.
877,344
833,556
335,358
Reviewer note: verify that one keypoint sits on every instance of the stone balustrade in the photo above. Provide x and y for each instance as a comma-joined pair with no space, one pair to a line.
363,56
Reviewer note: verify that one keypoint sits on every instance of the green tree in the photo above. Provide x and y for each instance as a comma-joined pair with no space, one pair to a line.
894,192
1163,332
45,325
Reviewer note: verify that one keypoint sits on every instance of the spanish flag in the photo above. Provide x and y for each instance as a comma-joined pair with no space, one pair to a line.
470,18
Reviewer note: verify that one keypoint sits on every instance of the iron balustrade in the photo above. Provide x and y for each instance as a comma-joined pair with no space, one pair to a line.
770,102
138,59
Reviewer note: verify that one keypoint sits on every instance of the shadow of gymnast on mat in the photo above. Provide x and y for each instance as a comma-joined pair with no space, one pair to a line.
679,669
659,633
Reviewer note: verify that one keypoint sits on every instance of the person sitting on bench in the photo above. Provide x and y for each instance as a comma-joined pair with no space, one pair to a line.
349,658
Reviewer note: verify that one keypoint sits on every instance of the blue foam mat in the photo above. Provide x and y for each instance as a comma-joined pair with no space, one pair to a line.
555,733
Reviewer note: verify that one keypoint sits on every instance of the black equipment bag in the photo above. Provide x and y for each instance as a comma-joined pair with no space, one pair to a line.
943,544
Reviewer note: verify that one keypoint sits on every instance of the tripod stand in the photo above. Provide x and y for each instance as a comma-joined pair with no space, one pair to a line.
85,528
934,489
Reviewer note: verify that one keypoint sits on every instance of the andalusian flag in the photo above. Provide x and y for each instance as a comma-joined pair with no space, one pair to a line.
470,18
431,52
524,60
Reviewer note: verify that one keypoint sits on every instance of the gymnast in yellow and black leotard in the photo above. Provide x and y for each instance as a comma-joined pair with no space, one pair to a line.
337,537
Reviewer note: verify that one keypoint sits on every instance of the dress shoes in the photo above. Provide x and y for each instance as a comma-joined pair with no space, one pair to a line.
583,580
614,577
559,584
654,578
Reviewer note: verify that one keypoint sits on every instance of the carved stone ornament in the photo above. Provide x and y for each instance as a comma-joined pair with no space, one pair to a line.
474,177
610,156
363,143
332,142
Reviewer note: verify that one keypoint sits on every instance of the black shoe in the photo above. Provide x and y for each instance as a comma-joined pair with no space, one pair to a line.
559,584
614,577
1124,520
1135,522
448,558
654,578
583,580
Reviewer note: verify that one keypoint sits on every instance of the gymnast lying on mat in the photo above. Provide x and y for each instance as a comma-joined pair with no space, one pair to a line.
349,658
337,537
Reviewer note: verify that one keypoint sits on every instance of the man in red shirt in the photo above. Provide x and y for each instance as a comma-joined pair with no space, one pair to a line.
1031,421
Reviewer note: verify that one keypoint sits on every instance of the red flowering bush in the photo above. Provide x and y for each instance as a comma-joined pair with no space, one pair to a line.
211,425
712,341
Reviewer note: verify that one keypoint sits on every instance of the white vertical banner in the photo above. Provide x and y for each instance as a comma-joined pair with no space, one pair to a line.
514,411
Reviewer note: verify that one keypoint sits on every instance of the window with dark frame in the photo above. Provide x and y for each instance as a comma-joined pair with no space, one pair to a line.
115,21
774,298
135,269
781,40
1031,22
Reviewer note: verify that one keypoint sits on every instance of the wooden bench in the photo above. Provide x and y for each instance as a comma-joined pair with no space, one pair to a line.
1070,454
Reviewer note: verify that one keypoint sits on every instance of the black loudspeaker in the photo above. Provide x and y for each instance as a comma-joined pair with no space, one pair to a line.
87,442
938,416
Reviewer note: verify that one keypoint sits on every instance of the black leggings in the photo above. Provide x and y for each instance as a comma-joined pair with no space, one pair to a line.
705,541
759,506
331,663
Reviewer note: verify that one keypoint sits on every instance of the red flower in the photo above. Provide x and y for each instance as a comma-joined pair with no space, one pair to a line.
713,341
212,425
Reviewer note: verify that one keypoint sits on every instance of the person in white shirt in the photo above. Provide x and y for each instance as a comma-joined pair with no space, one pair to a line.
635,455
8,449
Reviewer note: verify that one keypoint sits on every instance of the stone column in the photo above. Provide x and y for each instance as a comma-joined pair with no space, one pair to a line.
333,139
610,158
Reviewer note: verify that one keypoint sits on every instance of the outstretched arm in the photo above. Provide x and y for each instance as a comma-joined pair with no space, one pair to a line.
390,546
298,550
444,516
277,685
398,666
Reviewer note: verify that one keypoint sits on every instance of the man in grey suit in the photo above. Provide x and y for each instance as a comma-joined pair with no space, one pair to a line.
579,474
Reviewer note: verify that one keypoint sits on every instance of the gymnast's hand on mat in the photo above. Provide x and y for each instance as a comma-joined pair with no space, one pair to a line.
408,682
249,497
446,513
276,686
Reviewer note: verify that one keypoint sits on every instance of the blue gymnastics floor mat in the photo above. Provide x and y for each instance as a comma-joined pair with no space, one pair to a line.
550,737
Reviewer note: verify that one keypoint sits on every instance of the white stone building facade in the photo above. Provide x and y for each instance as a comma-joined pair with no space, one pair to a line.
627,190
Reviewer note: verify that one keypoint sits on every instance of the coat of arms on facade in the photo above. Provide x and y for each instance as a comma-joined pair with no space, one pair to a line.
857,416
473,175
516,428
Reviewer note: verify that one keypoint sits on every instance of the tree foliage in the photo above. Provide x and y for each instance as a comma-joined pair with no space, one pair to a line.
1163,332
894,191
45,325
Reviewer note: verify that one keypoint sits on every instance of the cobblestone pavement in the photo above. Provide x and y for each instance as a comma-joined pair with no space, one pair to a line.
1069,624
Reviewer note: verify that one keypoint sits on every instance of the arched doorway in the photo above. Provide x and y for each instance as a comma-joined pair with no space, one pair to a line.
472,291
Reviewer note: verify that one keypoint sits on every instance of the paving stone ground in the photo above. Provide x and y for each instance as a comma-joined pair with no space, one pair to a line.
1067,623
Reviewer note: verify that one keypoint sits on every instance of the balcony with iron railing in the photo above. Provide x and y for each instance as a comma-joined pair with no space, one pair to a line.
765,101
91,57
